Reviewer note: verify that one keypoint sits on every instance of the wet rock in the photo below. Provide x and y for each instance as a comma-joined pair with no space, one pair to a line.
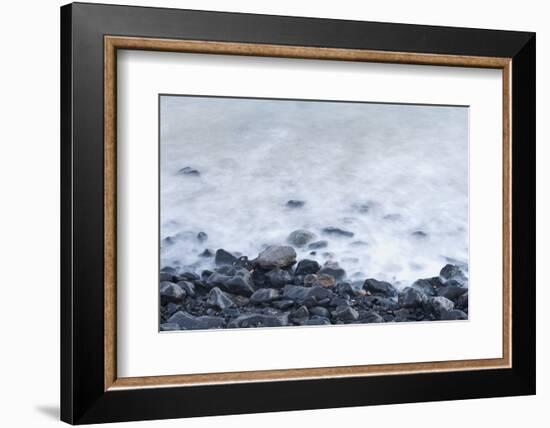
202,236
189,276
283,304
411,298
187,321
260,320
379,288
300,314
240,284
243,262
207,253
224,257
370,317
205,274
335,231
439,304
299,293
428,286
333,269
325,280
452,290
319,311
278,277
420,234
294,203
310,280
217,280
317,245
166,276
169,326
225,270
259,277
172,308
188,287
346,289
169,269
264,295
455,314
317,320
345,314
218,299
189,171
404,315
276,256
170,292
462,302
300,237
306,267
453,272
231,312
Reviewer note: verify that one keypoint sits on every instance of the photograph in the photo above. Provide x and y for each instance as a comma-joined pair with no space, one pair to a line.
288,212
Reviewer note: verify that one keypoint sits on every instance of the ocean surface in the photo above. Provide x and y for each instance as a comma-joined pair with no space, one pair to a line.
396,176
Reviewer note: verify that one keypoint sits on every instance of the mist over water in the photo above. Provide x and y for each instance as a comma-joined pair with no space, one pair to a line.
394,175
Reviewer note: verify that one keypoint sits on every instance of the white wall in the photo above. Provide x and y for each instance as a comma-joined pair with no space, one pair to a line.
29,231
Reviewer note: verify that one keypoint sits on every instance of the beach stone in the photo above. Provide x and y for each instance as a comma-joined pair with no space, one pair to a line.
317,320
439,304
189,276
319,311
300,314
310,280
264,295
404,315
300,237
167,276
169,269
335,231
282,304
462,302
231,312
278,277
325,280
188,287
452,290
317,245
189,171
299,293
218,299
454,315
411,298
171,308
346,289
453,272
260,320
294,203
306,267
346,313
170,293
333,269
240,284
428,286
169,326
207,253
187,321
420,234
202,236
370,317
224,257
379,288
276,256
217,280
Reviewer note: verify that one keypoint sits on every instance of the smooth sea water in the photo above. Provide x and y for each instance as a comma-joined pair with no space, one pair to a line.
394,175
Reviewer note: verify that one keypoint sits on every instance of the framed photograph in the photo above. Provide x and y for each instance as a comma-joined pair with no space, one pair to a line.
266,213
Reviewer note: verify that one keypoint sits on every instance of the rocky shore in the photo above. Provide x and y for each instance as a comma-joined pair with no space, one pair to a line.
275,289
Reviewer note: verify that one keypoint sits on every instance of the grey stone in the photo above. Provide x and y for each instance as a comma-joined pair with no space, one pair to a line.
379,288
276,256
240,284
218,299
317,245
282,304
300,313
278,277
306,267
300,237
167,276
190,322
325,280
224,257
346,313
335,231
411,298
453,272
264,295
294,203
259,320
452,290
188,287
202,236
333,269
189,172
439,304
428,286
299,293
170,292
169,326
454,315
370,317
317,320
319,311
